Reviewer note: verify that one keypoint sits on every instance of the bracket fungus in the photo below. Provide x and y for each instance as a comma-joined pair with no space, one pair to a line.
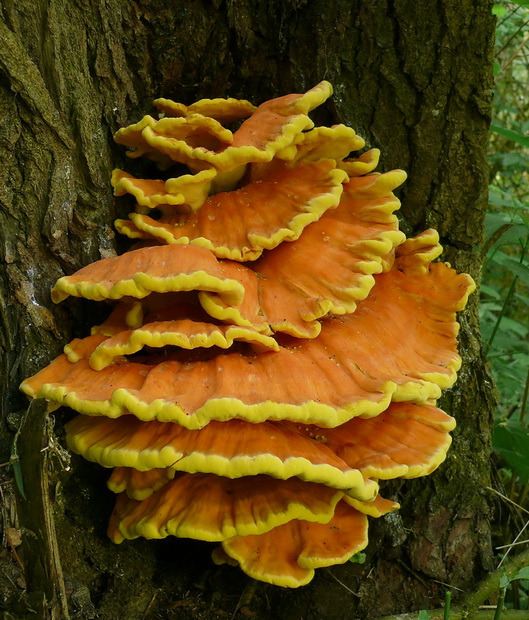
251,385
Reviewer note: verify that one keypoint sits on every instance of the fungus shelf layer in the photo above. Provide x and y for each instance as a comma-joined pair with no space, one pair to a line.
251,384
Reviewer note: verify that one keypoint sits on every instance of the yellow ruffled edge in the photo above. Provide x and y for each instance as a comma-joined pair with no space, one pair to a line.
378,184
425,388
311,99
194,187
375,252
231,314
232,156
359,166
444,425
123,183
121,136
229,556
373,509
222,409
119,482
350,482
129,229
439,457
132,318
410,471
223,337
134,137
415,255
322,142
312,211
188,189
146,529
141,285
377,256
81,348
219,557
192,121
316,562
223,110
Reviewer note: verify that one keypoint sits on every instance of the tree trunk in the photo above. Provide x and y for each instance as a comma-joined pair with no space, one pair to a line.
413,79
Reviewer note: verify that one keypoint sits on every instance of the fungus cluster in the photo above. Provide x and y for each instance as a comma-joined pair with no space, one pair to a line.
276,346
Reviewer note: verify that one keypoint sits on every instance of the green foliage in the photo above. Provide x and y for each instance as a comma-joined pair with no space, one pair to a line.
514,581
511,440
515,136
505,295
523,573
505,287
510,143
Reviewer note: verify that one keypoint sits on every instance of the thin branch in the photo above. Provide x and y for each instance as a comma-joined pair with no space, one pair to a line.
508,499
514,541
520,542
504,66
520,29
343,584
490,585
473,600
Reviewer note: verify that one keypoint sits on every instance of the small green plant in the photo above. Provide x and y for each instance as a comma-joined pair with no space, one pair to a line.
505,285
505,583
358,558
505,326
505,288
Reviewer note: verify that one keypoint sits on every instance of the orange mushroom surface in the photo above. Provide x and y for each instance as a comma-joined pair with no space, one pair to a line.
276,345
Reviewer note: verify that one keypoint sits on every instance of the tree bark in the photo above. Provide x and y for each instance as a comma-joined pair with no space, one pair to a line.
413,79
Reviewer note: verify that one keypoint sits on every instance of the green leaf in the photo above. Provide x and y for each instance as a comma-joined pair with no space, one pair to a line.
519,138
491,291
511,441
515,234
522,298
523,573
507,233
17,470
513,159
516,327
510,375
358,558
505,341
504,581
423,615
521,270
499,199
498,10
496,68
516,375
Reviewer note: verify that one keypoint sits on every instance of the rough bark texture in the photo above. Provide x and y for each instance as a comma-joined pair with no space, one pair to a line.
412,78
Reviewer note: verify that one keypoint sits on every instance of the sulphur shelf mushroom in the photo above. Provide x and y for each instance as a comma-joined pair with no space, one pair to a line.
250,386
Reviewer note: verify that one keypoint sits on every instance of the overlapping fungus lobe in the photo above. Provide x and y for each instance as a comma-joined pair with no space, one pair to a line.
252,384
